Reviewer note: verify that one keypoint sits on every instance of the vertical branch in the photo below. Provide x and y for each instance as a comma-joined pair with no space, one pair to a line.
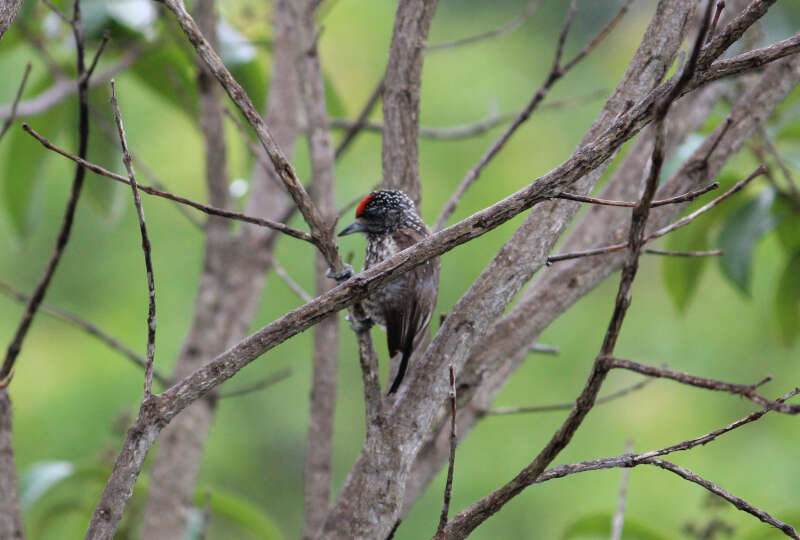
178,457
148,263
448,487
10,517
401,96
619,515
319,445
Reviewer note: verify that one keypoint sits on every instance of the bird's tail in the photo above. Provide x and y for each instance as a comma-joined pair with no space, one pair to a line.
401,372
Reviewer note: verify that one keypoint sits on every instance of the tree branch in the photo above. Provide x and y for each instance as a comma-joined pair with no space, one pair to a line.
8,121
557,71
206,209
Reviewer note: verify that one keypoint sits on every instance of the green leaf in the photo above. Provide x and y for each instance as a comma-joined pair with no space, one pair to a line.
24,161
168,72
682,274
599,525
787,300
740,233
788,228
239,511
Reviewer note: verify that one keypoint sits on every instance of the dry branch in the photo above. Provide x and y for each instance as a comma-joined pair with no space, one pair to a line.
148,263
8,121
557,71
206,209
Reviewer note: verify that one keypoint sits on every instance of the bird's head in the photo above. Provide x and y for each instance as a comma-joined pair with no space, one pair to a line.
383,212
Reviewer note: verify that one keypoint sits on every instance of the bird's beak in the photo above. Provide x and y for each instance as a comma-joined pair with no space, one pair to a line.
353,228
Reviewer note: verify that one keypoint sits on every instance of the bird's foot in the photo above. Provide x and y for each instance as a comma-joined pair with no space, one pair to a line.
359,325
344,275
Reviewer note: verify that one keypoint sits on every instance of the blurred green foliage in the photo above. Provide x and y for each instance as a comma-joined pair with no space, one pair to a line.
70,391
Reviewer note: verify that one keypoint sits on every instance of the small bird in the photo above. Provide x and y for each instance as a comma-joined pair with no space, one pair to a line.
402,307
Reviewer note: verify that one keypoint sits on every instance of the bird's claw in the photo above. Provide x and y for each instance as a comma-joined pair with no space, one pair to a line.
359,326
344,275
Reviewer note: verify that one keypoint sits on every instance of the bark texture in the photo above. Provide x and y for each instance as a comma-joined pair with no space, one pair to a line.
401,89
8,12
522,255
10,513
231,282
319,446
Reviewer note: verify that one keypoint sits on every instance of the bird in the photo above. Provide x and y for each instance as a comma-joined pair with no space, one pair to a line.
403,306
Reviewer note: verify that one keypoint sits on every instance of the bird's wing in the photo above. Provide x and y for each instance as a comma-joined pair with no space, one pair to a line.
408,314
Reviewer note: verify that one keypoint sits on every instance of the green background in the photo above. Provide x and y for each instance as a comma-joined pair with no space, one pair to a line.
71,394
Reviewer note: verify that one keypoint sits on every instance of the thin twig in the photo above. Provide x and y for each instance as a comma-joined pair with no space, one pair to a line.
692,195
717,13
448,487
7,370
88,327
664,230
543,349
744,390
361,120
8,121
569,405
255,151
619,516
292,284
257,386
772,149
210,210
100,49
468,130
510,26
738,502
61,15
466,522
556,72
148,263
710,253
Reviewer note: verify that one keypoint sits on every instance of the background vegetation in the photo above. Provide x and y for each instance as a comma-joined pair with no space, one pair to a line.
735,319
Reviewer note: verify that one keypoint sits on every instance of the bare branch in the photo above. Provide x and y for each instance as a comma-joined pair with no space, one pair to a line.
448,488
510,26
466,521
664,230
8,12
744,390
569,405
148,263
210,210
710,253
8,121
619,516
65,89
6,372
770,145
88,327
738,502
257,386
361,120
556,72
672,200
292,284
467,130
401,96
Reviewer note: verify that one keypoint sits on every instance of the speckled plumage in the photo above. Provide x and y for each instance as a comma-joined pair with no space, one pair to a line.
403,307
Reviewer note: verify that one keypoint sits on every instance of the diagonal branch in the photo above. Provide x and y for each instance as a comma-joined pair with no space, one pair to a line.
206,209
8,121
88,327
557,71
